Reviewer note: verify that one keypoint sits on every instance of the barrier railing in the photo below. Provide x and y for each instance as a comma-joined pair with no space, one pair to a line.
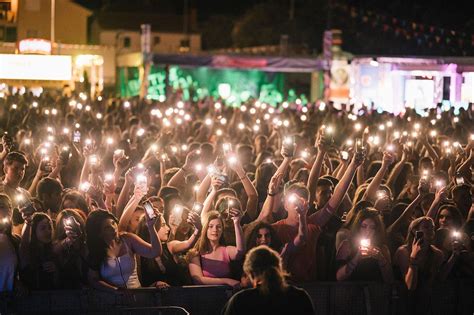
332,298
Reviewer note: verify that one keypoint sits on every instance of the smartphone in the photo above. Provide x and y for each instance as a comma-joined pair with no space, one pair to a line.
327,135
459,179
359,145
222,177
76,138
46,165
344,155
419,236
119,153
27,208
197,207
150,212
227,148
289,145
71,222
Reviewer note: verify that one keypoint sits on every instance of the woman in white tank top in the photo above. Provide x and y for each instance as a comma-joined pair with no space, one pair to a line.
112,255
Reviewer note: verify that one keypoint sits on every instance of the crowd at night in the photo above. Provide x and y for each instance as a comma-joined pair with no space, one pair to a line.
117,194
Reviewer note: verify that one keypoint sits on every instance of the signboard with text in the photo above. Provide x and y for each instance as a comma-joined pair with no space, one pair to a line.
35,67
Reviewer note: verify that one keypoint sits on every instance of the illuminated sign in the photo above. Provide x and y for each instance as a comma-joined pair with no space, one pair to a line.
35,67
34,46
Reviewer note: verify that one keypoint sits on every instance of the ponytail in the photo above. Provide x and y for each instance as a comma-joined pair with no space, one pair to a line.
272,280
263,265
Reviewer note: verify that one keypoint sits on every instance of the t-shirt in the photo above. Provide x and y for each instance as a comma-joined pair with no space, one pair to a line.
302,264
13,192
8,263
252,301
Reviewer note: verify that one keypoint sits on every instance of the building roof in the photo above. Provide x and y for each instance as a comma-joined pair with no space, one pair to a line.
77,5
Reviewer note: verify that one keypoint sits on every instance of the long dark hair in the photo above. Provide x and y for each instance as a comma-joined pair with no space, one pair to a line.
455,214
374,215
96,245
39,251
76,197
264,264
252,239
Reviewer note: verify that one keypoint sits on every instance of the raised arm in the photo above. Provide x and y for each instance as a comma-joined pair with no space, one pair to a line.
322,217
274,192
429,148
252,195
315,172
142,248
397,170
440,195
132,204
370,193
238,251
178,179
216,183
175,247
406,214
125,192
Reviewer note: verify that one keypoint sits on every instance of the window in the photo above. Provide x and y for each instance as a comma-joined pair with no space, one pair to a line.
126,42
156,40
11,34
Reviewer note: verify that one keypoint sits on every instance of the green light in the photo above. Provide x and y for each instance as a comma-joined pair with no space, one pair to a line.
224,90
232,85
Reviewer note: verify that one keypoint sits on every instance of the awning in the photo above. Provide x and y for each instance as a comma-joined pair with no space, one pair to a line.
270,64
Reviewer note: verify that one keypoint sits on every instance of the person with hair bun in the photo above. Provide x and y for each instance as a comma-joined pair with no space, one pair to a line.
270,293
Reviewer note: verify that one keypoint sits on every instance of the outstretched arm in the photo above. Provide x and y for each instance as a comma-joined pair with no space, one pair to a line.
322,217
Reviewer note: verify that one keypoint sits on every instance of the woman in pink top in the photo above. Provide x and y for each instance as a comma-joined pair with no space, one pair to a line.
210,258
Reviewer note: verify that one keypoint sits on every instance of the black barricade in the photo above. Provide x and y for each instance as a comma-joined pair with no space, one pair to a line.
332,298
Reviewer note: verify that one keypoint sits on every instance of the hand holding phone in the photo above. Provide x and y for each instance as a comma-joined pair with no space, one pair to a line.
150,211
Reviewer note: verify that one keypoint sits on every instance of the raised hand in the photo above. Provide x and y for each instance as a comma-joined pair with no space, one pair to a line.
236,215
195,220
275,184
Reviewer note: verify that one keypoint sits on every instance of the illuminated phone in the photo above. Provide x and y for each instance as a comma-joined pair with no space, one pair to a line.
289,145
76,137
197,207
71,222
150,212
359,145
459,179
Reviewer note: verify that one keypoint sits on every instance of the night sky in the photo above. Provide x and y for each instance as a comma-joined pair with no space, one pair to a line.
452,14
238,20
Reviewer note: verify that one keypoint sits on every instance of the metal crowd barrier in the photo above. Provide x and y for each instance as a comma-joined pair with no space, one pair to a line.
331,298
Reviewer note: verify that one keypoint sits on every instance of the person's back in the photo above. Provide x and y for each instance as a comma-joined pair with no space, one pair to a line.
271,294
252,301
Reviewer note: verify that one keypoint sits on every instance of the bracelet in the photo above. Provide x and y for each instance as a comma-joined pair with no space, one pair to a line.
243,177
184,170
271,195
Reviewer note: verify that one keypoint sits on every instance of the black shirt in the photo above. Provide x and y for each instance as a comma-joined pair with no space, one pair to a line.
252,301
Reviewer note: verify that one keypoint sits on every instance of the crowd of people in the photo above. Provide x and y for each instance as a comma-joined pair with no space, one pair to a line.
119,194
